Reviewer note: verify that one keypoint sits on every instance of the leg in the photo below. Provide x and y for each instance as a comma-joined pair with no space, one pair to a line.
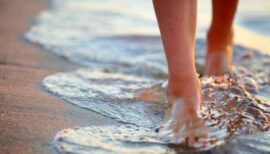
177,23
220,37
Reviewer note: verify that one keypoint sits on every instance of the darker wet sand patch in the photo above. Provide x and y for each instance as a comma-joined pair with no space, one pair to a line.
29,117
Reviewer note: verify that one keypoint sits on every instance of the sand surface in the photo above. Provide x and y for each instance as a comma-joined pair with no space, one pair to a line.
29,117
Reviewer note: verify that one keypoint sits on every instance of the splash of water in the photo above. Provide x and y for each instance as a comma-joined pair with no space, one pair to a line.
228,110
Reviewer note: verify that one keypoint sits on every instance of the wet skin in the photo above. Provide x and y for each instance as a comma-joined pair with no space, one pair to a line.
177,24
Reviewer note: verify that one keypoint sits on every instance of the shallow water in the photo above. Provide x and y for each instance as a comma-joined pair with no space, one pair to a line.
233,105
124,78
228,110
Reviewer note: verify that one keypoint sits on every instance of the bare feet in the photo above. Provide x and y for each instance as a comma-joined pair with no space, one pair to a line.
182,122
218,62
219,59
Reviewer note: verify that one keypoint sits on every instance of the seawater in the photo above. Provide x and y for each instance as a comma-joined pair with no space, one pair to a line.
124,71
235,108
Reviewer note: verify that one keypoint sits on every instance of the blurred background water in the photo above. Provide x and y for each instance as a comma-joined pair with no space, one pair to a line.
252,23
72,22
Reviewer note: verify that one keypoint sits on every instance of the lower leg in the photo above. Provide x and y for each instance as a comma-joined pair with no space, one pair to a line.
220,37
177,23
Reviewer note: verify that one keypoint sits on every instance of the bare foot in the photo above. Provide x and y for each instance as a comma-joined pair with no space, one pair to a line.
218,62
182,123
219,59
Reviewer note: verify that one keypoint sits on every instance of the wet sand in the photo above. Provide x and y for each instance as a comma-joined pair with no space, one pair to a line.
29,117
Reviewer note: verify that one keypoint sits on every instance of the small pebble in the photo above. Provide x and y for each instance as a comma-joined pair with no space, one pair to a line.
156,130
61,138
63,146
249,55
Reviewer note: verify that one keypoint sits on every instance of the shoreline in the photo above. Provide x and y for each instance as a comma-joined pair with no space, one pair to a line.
249,39
29,116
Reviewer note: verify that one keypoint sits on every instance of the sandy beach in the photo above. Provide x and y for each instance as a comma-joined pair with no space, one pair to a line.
29,117
59,80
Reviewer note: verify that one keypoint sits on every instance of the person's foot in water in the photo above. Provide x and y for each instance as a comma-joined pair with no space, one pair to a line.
182,122
177,23
219,59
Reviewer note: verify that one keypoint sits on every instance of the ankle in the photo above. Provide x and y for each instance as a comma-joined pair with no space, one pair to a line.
178,77
184,82
185,86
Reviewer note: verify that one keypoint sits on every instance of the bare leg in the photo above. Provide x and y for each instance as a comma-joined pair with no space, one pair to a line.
220,37
177,23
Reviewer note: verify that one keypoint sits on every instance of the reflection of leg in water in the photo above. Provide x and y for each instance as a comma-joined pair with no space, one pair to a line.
220,37
177,23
